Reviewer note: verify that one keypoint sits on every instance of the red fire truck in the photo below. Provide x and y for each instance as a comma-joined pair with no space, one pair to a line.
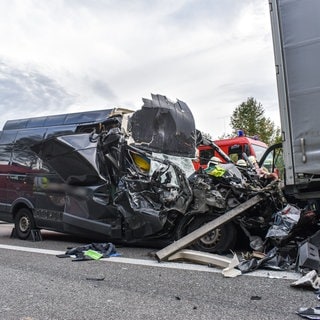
233,147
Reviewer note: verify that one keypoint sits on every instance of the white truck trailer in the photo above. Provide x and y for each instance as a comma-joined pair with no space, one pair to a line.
296,40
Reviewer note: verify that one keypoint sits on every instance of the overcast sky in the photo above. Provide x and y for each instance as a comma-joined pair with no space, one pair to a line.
76,55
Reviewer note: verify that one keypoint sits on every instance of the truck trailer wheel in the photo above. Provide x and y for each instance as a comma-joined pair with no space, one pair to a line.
24,223
218,240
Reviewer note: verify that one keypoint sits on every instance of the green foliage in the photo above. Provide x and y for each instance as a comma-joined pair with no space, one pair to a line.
249,117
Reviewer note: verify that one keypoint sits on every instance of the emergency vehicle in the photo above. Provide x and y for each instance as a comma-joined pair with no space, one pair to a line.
235,147
232,147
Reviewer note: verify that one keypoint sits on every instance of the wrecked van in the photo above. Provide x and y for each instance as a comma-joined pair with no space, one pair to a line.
119,175
109,174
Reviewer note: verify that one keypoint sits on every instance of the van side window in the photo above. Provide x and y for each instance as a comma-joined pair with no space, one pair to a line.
6,145
22,157
5,153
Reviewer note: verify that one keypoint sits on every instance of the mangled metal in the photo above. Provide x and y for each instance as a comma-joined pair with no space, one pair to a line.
273,227
202,231
132,178
122,167
165,126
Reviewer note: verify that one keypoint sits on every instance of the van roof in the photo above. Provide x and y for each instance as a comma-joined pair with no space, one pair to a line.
58,120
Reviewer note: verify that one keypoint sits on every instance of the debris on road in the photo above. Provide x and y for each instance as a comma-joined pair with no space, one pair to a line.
310,281
201,257
309,313
98,278
231,271
93,251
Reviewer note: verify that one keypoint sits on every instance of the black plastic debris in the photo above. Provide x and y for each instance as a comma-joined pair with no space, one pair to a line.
284,221
98,250
309,313
275,259
95,278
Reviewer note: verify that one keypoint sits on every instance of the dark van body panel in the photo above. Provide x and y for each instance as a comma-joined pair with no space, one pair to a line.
90,173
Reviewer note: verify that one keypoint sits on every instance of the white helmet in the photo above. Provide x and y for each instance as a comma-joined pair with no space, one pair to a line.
241,163
215,160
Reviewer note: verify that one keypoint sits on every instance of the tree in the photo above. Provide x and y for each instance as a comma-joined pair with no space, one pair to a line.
249,117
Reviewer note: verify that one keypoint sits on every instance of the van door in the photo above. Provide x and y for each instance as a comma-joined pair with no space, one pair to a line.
33,181
273,160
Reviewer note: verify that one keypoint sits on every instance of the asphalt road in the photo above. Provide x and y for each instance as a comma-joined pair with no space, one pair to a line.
36,285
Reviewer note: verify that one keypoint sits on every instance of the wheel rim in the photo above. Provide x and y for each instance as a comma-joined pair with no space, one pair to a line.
211,238
24,224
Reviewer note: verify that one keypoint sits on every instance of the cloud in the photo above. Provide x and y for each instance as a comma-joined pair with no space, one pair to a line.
26,91
106,53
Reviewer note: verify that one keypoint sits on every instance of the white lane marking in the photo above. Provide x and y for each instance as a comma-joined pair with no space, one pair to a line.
196,267
170,265
34,250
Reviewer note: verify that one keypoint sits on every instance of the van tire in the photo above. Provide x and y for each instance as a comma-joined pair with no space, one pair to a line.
220,240
24,223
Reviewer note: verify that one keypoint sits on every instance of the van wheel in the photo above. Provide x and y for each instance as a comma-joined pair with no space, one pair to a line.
24,223
219,240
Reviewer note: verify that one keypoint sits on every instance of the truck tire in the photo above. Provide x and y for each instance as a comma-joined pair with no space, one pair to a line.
219,240
24,223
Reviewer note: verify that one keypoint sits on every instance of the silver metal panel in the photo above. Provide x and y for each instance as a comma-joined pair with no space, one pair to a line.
296,37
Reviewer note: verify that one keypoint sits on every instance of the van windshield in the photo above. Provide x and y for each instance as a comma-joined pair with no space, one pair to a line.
259,151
